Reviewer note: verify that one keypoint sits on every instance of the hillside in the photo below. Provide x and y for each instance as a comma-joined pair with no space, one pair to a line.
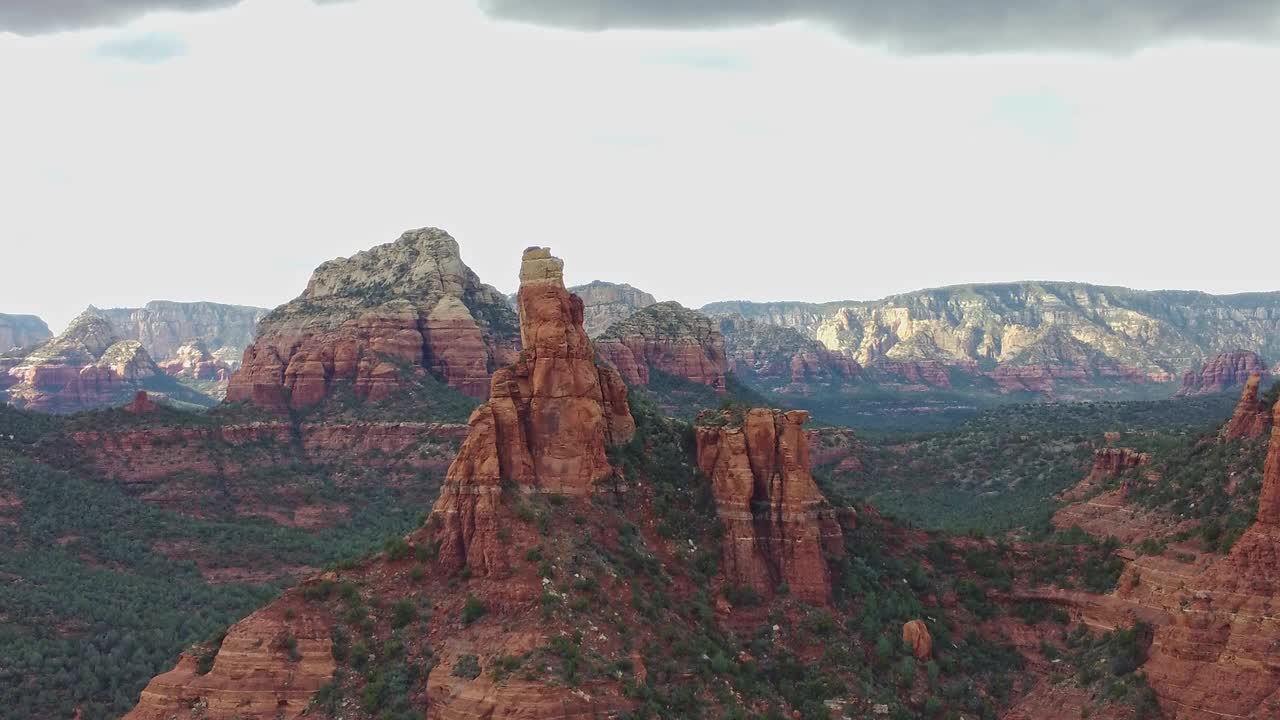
1036,336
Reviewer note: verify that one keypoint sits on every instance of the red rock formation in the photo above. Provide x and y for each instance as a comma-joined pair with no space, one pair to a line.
546,426
87,366
1251,418
669,338
916,634
834,446
376,320
268,667
1224,371
778,528
1269,499
1216,648
142,404
1109,462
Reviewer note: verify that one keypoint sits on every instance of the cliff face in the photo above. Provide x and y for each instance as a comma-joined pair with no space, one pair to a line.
778,529
164,327
1223,372
1252,417
373,320
669,338
546,426
87,366
606,303
781,357
22,331
1214,649
1042,332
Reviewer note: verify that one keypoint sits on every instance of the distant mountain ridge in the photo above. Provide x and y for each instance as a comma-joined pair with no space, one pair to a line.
1035,328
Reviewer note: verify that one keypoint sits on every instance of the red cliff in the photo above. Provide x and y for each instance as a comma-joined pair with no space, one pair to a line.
375,321
778,525
546,426
1251,418
783,358
1223,372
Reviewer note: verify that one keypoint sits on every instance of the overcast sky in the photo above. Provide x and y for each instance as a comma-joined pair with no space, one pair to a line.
700,149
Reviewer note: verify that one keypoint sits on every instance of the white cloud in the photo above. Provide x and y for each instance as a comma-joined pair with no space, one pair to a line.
778,162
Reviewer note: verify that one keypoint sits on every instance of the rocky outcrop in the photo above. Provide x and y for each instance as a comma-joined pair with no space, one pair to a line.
549,419
1112,461
669,338
1269,498
1223,372
606,303
268,666
915,634
778,527
1213,653
164,327
1251,418
781,357
86,366
1047,331
376,320
193,361
22,331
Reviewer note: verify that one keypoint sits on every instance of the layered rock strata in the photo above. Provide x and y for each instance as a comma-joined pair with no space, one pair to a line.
1044,331
669,338
1223,372
1251,417
164,327
606,303
549,419
782,357
779,528
86,366
375,321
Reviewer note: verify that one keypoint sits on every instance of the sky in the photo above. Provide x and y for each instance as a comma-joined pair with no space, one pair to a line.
699,149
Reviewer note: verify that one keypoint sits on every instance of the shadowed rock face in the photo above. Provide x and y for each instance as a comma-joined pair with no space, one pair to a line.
376,319
22,331
778,528
605,303
546,426
1221,373
781,356
1252,417
669,338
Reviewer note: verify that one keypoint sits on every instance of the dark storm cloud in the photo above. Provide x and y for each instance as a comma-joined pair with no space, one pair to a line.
36,17
934,25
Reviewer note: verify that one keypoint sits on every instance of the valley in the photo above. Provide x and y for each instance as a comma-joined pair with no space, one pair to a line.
422,497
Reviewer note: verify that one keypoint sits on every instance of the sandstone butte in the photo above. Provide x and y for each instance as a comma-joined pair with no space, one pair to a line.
1251,418
778,526
669,338
86,366
1215,652
544,432
1223,372
377,320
